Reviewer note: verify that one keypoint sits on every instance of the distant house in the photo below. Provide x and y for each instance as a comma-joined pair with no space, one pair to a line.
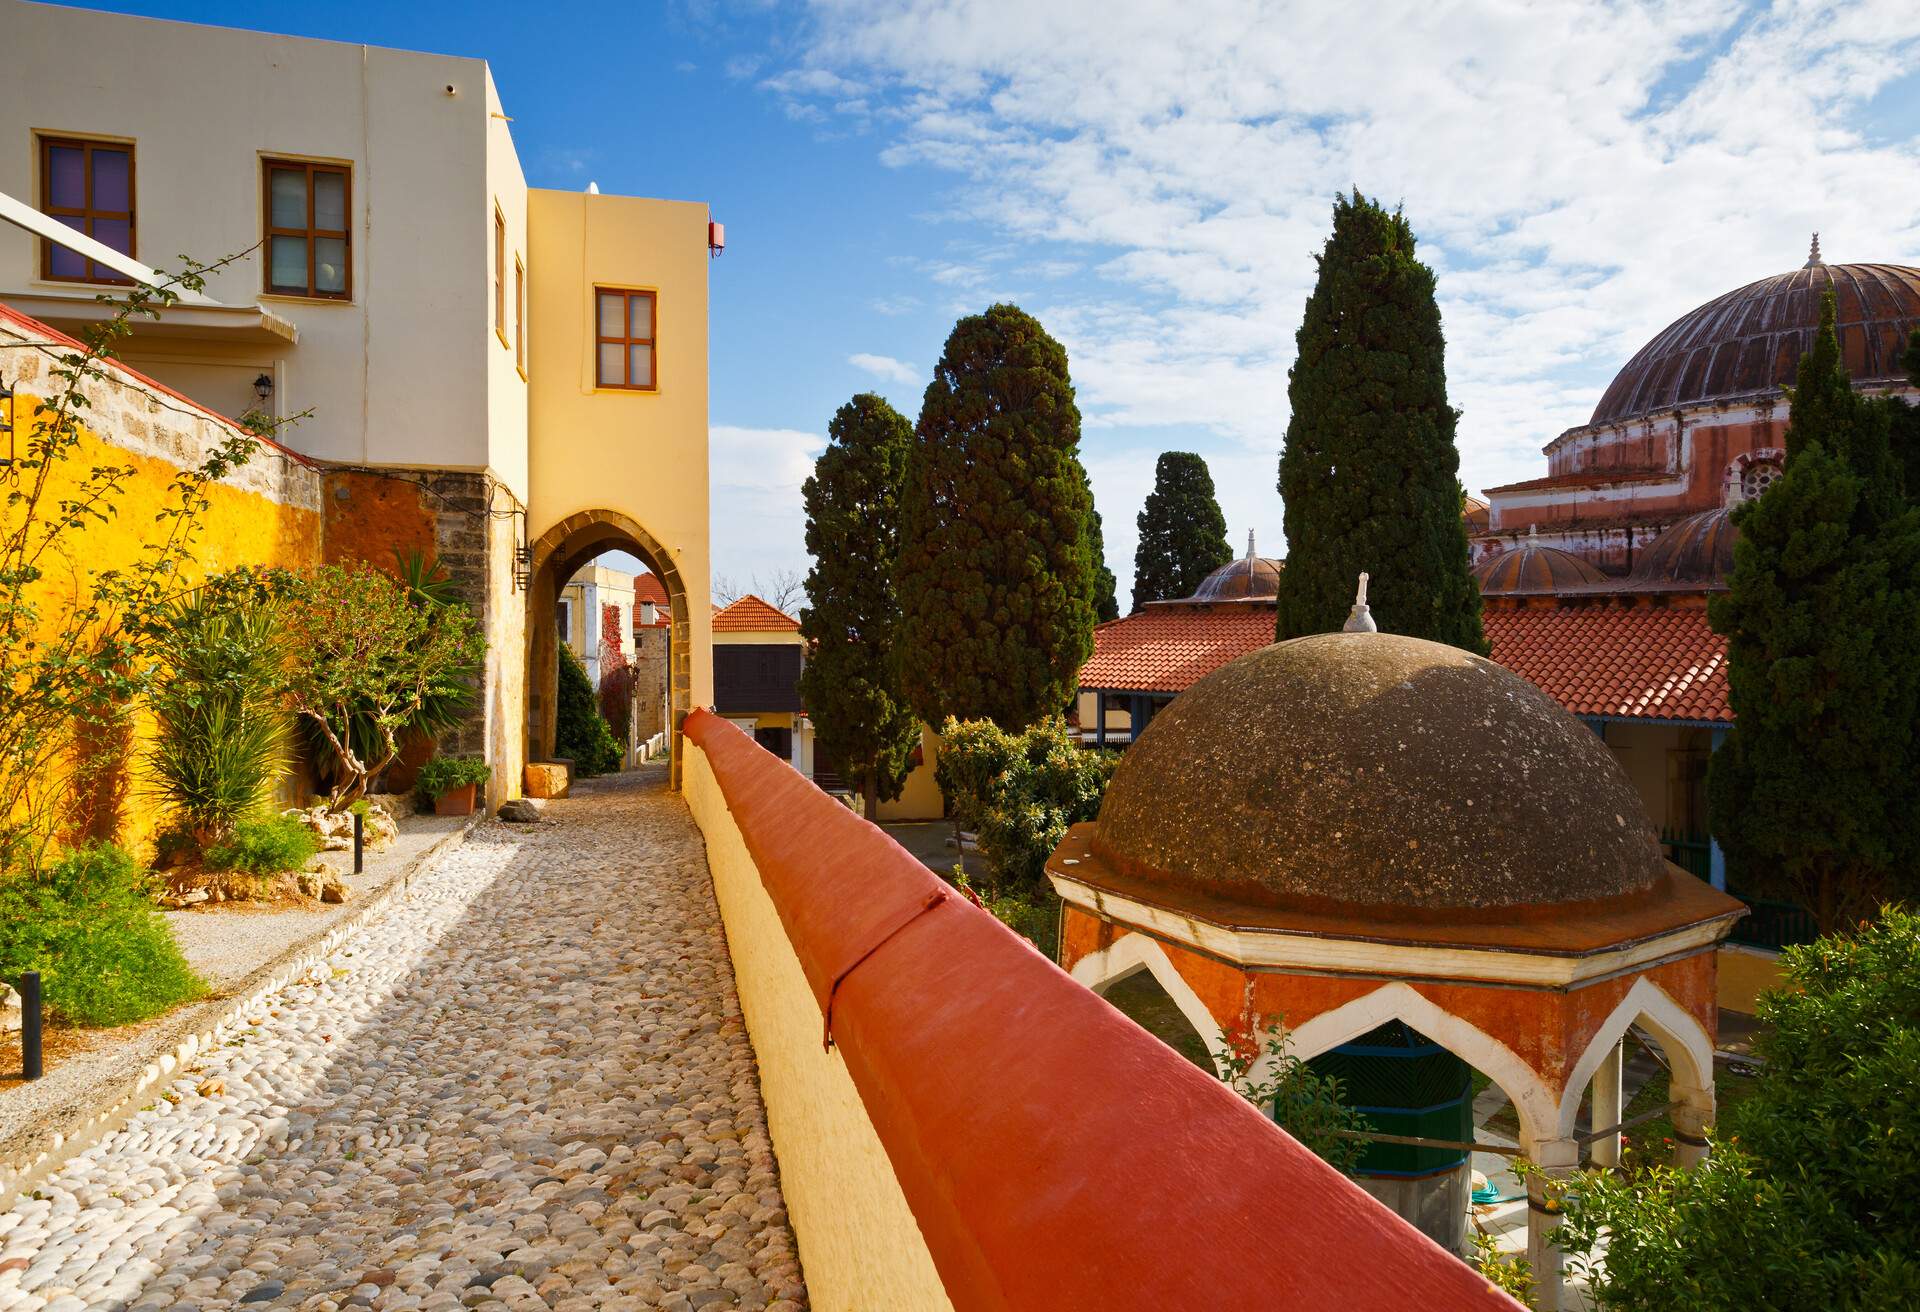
757,656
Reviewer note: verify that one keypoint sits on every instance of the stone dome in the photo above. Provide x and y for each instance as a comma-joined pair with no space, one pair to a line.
1531,567
1750,340
1250,578
1380,776
1697,549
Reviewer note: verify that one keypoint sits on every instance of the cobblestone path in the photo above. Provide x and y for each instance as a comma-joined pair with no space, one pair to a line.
527,1086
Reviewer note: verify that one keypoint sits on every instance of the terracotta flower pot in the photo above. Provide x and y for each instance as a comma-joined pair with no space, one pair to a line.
457,802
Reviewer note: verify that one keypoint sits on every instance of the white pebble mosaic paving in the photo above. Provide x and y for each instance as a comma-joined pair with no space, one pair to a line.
527,1086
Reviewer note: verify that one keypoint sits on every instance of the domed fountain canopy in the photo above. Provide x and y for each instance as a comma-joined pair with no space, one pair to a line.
1380,776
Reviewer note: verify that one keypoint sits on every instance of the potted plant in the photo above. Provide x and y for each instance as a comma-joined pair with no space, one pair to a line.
451,781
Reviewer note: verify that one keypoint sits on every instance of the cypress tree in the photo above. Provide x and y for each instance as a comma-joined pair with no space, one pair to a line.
1183,535
1906,423
996,576
1368,469
1106,601
1813,795
849,687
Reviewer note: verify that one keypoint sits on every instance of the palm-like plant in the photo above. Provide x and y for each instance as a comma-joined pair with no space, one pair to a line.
224,739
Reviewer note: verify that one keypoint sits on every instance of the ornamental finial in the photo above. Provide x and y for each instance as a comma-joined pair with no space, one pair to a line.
1360,620
1813,256
1249,544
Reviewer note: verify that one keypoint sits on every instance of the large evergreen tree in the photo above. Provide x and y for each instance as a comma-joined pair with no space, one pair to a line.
996,576
1106,601
849,683
1815,795
1369,464
1183,535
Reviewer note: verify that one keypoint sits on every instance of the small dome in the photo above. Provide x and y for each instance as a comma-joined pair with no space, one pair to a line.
1697,549
1379,774
1475,513
1531,567
1247,579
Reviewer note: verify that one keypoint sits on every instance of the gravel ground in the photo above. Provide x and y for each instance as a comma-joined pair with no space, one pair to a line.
228,945
527,1086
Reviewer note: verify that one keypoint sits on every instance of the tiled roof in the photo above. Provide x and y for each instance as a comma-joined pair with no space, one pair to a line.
752,615
1655,663
647,587
1167,648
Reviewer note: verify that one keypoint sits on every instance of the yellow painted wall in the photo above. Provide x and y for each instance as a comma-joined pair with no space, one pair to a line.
642,454
921,798
244,525
859,1243
1744,974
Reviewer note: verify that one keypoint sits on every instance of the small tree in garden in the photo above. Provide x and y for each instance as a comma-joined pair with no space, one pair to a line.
850,682
363,649
1019,792
1811,1197
1815,792
996,574
580,732
1369,467
1257,1062
79,643
1183,535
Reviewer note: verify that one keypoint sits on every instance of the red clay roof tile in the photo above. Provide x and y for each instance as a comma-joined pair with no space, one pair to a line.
752,615
1652,663
1169,648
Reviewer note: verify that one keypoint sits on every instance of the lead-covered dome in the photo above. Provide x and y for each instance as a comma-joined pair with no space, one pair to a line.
1697,549
1531,567
1751,340
1380,774
1251,578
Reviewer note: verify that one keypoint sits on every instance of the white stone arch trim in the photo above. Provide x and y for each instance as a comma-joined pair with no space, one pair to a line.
1532,1100
1682,1038
1134,952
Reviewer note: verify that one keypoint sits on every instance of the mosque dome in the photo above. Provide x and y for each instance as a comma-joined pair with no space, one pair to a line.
1380,776
1531,567
1750,340
1697,549
1250,578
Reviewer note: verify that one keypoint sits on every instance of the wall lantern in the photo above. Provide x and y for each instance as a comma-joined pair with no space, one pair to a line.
6,418
523,569
263,388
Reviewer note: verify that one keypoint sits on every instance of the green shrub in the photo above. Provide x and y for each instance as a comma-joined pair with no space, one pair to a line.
87,923
581,734
223,736
1019,792
267,846
443,774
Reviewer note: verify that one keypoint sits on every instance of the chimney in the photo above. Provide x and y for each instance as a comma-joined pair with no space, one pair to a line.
649,614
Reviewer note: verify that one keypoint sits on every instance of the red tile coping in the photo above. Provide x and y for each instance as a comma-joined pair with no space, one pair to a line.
1656,663
1169,648
1055,1155
53,336
752,615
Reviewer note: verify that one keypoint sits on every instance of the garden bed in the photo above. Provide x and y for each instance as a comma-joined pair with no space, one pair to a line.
236,947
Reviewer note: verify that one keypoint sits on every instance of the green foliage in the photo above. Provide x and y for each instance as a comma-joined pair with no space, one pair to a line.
443,774
1259,1065
1508,1273
850,682
87,923
1906,423
1816,792
1368,469
581,734
222,738
79,643
369,654
1183,534
1812,1195
1032,913
1019,792
1106,604
269,845
996,577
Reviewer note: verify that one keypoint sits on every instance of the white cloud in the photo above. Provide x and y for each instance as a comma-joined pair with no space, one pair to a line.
885,367
1579,176
755,474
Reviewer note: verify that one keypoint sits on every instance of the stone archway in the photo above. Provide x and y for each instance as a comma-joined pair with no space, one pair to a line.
556,555
1128,956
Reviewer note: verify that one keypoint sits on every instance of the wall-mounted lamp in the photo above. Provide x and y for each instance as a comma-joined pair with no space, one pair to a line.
263,388
523,569
6,418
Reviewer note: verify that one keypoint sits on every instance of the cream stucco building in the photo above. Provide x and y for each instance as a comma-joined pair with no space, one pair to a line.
512,379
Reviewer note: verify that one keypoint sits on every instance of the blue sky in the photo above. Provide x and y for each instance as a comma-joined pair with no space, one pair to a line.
1152,180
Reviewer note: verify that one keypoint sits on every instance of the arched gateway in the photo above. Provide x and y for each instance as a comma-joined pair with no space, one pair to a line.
554,557
1402,852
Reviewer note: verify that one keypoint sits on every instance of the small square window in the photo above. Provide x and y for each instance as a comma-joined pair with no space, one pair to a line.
624,340
309,229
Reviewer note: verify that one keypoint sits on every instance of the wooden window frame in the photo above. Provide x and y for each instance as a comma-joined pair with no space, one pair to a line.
86,213
500,277
627,295
520,316
310,234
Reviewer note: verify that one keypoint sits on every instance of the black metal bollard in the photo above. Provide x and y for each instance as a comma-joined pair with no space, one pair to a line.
358,837
31,1066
